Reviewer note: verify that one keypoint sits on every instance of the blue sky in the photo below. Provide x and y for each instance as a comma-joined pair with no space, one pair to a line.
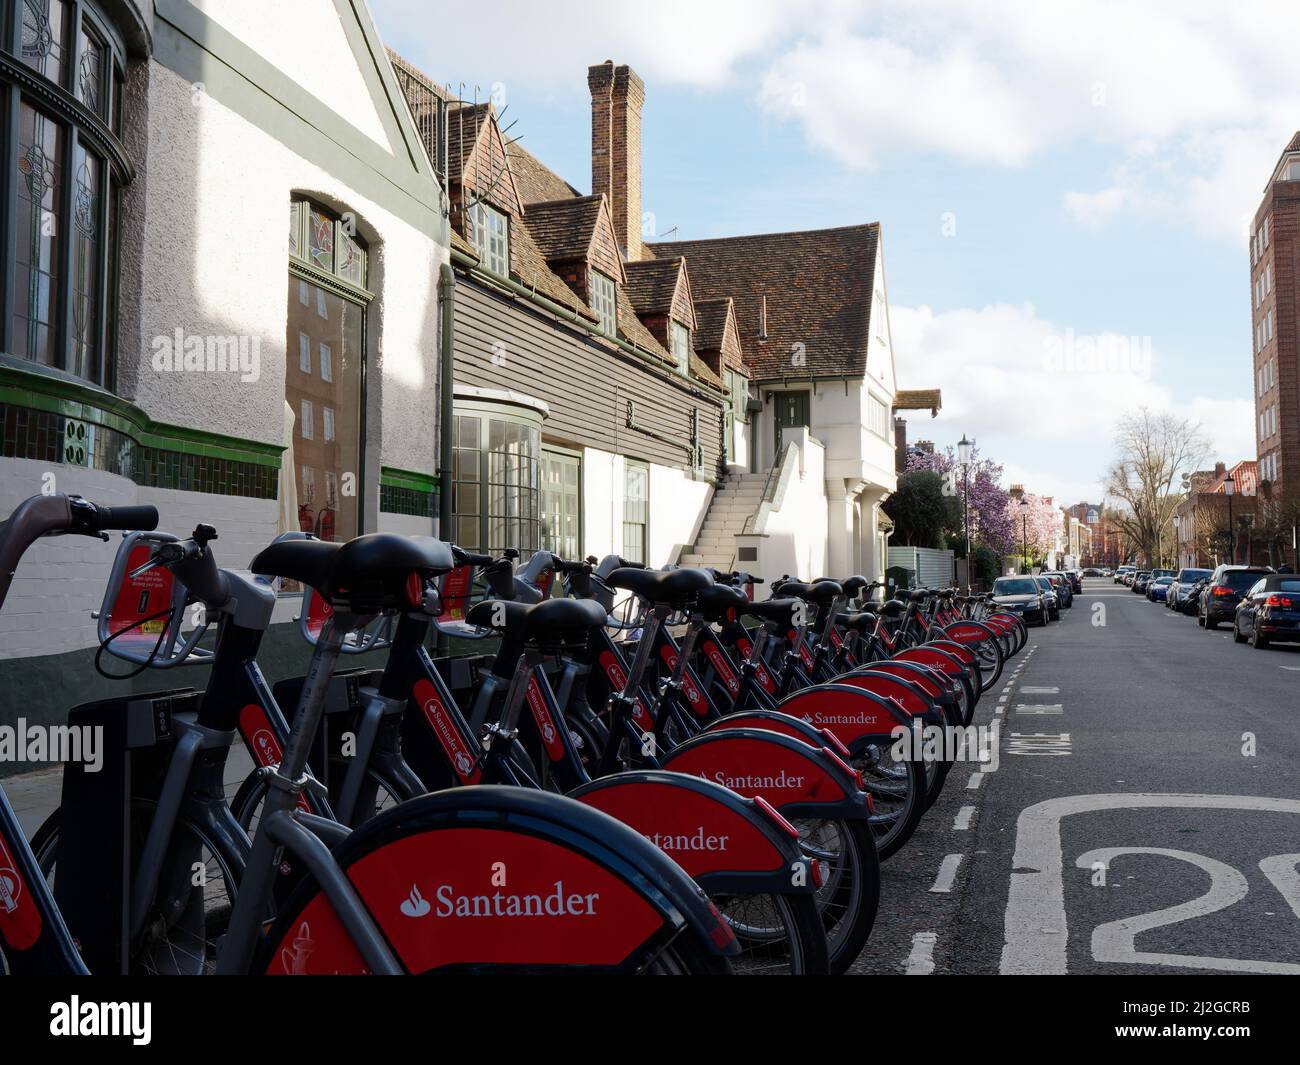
1064,189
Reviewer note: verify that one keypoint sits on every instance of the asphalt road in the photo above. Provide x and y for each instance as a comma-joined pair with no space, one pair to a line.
1144,815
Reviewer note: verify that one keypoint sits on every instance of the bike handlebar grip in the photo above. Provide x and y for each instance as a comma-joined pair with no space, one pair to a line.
142,518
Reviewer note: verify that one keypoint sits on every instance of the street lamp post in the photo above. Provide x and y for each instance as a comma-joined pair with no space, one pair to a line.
1229,488
963,456
1024,532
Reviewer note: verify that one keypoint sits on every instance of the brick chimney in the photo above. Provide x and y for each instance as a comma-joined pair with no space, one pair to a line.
616,98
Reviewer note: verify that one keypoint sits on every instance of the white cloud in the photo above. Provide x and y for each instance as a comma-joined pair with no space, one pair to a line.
1197,98
1043,399
551,45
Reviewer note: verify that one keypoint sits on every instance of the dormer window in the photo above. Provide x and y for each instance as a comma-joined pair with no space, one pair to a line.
491,232
681,337
603,303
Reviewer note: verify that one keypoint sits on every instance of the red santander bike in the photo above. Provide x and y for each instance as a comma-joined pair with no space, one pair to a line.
468,879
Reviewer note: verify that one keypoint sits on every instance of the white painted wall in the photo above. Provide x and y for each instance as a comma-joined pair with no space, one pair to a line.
305,40
792,531
677,508
215,261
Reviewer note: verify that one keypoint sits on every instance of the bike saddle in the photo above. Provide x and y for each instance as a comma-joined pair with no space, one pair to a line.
820,592
722,603
853,585
919,595
777,612
675,588
547,624
369,574
858,621
892,608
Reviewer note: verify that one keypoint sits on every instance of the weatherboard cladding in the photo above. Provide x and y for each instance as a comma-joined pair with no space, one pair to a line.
585,384
818,285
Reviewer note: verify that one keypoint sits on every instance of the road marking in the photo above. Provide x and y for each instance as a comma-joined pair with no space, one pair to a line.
1039,708
947,874
976,779
961,822
1040,744
1293,669
921,961
1030,690
1115,941
1282,872
1035,932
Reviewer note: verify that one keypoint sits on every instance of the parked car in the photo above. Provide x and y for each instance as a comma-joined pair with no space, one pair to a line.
1158,588
1093,572
1023,595
1139,582
1050,600
1062,586
1122,572
1226,589
1076,581
1270,611
1185,578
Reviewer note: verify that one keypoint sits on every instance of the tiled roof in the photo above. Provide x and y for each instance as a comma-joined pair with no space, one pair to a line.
536,181
710,323
818,285
652,283
930,399
461,244
528,264
563,228
463,124
634,332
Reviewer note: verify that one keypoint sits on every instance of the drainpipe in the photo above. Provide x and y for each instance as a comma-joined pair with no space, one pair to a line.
446,395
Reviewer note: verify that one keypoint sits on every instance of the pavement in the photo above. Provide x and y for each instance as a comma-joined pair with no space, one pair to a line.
1144,816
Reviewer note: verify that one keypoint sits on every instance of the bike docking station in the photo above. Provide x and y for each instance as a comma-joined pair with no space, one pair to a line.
139,621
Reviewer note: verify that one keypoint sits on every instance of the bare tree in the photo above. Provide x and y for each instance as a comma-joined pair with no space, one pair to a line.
1155,450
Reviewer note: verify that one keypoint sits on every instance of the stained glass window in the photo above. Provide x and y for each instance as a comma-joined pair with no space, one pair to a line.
44,45
326,243
90,75
85,263
320,240
36,289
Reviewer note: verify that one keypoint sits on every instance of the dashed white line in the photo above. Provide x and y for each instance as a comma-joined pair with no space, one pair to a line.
1031,690
947,874
961,822
921,961
976,779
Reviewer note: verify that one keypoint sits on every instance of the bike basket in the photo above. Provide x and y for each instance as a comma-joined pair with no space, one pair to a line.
143,614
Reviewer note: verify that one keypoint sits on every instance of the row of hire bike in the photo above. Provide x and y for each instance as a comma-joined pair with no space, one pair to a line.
652,772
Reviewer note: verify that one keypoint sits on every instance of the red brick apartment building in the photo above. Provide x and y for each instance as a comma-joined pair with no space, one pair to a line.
1274,261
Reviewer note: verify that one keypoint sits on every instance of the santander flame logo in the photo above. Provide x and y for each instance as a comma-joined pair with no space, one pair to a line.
415,904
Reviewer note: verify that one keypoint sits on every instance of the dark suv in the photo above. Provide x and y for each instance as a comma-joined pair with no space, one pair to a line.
1226,589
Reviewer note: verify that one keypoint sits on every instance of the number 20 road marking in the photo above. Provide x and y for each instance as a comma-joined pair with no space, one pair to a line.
1035,937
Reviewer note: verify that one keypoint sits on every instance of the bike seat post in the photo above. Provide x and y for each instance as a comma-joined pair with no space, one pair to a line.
311,703
687,649
505,728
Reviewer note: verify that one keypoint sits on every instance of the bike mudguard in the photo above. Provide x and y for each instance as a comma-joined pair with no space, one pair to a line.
799,780
950,665
777,721
906,695
495,878
727,843
856,715
30,944
935,685
969,632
